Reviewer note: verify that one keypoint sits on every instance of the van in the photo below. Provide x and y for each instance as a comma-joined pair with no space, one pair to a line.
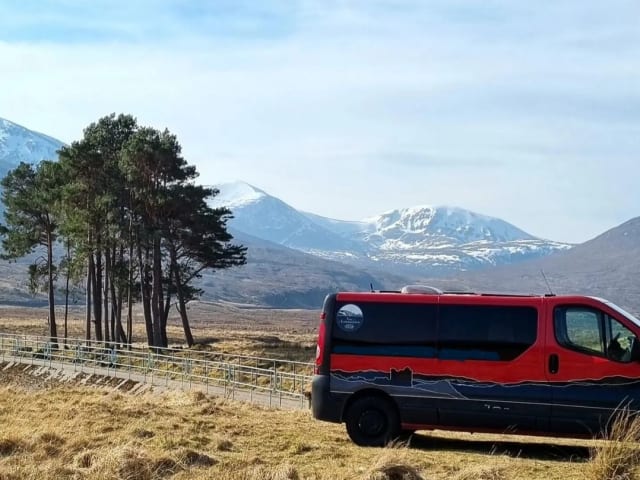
391,363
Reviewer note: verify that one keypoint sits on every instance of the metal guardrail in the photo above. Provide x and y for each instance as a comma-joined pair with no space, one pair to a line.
269,380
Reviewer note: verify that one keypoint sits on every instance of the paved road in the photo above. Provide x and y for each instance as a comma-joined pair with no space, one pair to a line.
161,383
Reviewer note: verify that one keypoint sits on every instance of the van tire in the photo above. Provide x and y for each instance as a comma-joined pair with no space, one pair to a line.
372,421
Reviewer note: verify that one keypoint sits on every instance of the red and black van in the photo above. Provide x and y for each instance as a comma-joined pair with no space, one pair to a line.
394,362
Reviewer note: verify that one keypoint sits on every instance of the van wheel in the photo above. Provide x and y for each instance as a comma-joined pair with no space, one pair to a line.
372,421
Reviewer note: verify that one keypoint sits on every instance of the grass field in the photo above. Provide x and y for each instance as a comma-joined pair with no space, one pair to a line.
66,431
287,334
52,430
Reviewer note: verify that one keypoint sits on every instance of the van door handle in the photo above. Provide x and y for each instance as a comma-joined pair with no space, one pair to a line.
554,363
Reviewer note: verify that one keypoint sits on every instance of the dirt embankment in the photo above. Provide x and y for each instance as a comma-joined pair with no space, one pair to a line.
36,377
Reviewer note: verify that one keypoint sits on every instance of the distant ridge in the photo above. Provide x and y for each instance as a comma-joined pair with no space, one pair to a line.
607,266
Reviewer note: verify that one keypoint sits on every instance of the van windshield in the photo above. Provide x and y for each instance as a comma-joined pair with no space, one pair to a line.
620,310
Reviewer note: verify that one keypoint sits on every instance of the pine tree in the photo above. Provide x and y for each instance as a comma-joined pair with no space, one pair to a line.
197,239
32,199
125,204
179,232
95,202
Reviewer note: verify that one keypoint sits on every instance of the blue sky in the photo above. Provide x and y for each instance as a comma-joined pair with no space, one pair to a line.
525,111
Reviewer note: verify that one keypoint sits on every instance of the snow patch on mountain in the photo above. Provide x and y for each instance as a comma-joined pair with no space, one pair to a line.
236,195
403,228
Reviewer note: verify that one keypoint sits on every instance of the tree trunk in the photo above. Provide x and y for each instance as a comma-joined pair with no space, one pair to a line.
89,299
130,290
97,292
156,292
130,282
97,312
182,306
121,335
144,292
66,293
105,294
165,311
52,303
117,295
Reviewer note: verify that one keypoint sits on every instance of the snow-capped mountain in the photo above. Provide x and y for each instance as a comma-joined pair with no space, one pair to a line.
19,144
445,237
261,215
421,239
441,225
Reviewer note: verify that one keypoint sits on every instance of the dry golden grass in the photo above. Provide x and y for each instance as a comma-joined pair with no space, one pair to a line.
393,464
283,334
618,456
51,430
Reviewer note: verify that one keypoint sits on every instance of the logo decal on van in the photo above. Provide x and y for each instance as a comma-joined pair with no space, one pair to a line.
349,318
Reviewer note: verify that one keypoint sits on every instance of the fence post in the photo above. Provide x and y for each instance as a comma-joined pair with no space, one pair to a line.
206,375
293,389
275,376
113,359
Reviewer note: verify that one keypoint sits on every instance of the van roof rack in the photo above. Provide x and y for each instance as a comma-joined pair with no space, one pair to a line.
424,289
502,294
429,290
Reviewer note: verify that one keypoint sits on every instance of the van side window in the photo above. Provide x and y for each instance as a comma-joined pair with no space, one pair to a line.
486,332
592,332
580,329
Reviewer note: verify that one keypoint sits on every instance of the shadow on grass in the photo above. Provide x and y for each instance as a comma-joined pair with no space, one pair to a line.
520,449
205,343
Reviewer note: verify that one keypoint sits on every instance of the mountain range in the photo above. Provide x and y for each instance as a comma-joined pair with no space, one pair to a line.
295,258
419,240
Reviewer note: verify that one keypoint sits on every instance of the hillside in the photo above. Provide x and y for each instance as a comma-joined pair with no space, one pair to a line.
606,266
283,277
274,276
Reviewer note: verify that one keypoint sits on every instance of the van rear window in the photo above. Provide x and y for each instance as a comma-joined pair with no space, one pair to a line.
390,329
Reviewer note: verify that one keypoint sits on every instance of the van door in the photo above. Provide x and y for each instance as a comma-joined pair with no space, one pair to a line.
493,358
590,366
